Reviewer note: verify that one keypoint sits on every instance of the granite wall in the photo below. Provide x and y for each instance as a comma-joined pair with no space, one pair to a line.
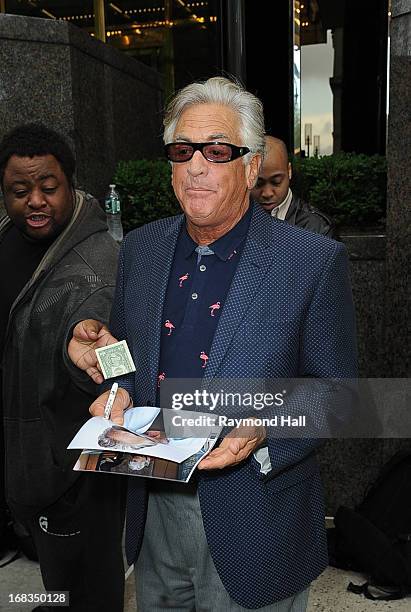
107,104
348,466
380,277
367,255
398,306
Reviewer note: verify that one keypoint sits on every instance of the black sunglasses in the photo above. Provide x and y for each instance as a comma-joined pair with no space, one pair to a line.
216,152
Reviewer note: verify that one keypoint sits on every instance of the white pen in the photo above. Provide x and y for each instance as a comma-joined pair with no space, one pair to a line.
110,400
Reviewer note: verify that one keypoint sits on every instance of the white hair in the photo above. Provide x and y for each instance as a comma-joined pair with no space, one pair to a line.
219,90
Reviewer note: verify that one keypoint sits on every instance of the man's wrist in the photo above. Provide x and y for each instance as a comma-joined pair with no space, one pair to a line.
261,431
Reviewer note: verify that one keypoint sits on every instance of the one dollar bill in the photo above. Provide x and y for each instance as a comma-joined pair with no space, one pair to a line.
115,360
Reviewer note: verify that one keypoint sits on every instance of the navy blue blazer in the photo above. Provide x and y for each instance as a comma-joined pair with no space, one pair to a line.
289,313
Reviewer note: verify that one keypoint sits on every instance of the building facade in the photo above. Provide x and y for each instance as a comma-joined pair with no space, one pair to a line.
262,43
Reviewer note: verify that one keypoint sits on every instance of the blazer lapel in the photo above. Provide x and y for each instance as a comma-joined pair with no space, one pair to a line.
255,260
163,255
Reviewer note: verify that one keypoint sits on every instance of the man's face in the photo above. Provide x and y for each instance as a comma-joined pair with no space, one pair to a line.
37,196
115,360
212,195
273,180
125,437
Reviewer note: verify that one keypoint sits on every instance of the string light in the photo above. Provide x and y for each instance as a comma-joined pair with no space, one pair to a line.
48,14
153,9
114,33
144,11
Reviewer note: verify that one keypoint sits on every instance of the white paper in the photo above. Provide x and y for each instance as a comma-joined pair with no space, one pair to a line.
136,420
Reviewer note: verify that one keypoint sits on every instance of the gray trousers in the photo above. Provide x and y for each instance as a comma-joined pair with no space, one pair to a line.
175,570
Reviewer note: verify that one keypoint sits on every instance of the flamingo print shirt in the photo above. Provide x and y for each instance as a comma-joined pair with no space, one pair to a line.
197,288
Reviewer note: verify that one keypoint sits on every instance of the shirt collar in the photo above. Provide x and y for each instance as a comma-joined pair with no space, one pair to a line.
224,246
281,210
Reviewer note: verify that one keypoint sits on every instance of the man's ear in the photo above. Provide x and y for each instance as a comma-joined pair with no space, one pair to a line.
253,169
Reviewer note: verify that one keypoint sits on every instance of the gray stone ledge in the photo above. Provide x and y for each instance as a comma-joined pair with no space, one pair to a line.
400,7
365,247
54,32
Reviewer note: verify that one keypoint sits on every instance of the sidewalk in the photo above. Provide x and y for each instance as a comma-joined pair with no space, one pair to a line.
328,592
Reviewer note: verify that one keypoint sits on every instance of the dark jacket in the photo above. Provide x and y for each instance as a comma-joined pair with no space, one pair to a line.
304,215
43,406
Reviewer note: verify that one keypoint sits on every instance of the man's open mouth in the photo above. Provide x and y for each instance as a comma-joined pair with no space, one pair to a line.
39,220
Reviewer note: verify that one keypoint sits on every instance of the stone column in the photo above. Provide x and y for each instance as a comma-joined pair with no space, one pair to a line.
236,39
383,308
397,292
108,105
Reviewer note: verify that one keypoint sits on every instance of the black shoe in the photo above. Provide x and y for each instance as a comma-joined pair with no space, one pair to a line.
14,540
9,547
9,557
25,541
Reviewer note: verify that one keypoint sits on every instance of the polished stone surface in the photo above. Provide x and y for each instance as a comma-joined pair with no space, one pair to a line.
367,270
380,279
398,304
107,104
399,219
348,466
400,28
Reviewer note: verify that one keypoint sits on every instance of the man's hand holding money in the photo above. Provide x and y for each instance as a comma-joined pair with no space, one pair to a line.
87,336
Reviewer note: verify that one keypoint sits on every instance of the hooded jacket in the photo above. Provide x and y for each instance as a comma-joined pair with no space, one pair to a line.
45,399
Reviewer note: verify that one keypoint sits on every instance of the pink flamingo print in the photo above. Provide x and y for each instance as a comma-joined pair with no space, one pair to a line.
214,307
204,359
161,377
168,324
183,278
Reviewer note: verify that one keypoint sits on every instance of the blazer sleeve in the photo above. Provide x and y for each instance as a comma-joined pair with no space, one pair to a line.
327,351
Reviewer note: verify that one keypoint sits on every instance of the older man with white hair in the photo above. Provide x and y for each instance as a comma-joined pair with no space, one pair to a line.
249,532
